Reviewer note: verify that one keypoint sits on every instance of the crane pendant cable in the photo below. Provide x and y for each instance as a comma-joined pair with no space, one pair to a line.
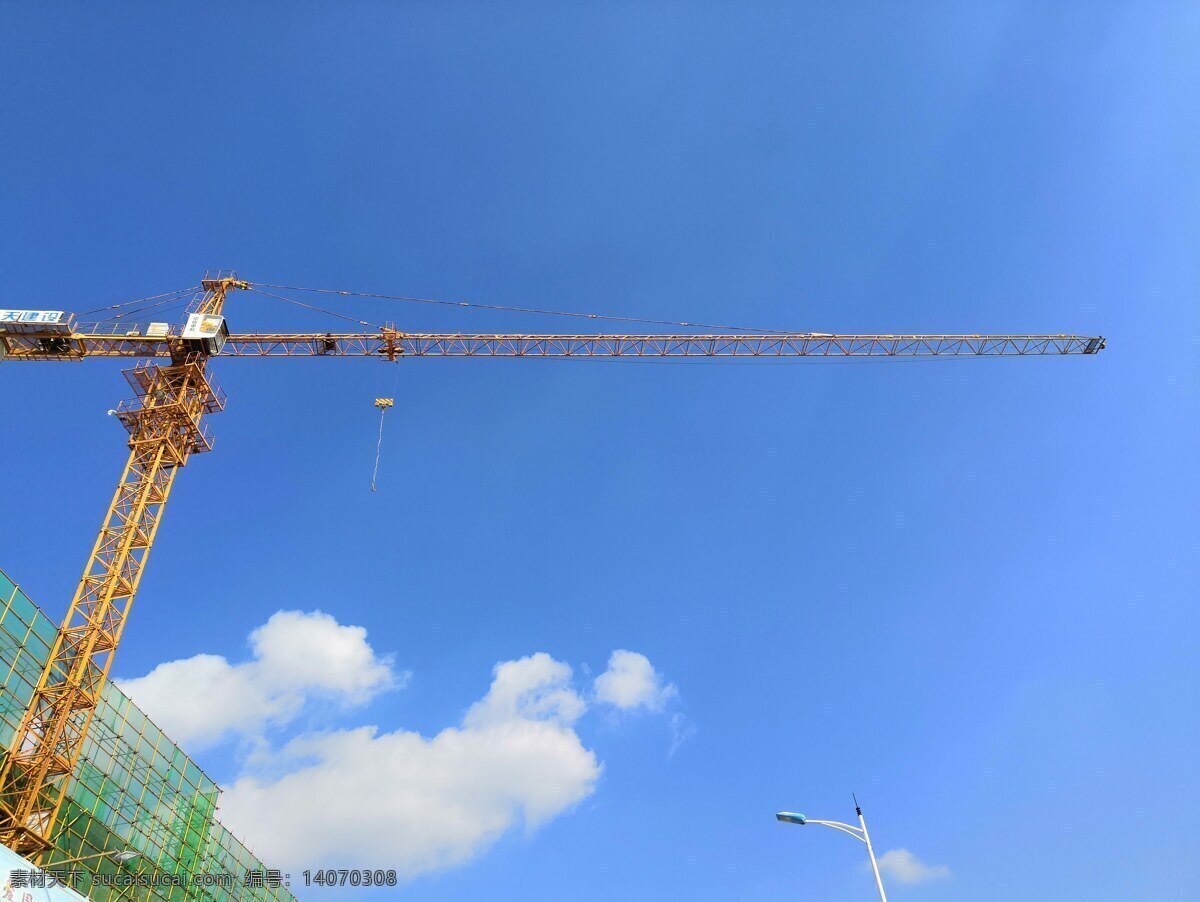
383,404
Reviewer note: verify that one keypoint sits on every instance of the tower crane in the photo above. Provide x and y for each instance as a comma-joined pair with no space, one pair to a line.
166,426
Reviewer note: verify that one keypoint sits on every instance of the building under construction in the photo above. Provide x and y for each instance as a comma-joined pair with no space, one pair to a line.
133,790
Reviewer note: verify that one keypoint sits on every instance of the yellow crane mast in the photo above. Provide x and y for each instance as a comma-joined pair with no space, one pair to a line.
166,426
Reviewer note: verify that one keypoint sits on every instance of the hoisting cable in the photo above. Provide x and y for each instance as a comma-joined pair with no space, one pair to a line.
154,297
383,404
254,287
157,307
508,309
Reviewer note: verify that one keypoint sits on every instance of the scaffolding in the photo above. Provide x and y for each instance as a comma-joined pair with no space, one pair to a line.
132,789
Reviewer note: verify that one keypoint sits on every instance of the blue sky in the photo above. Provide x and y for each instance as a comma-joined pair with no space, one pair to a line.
964,590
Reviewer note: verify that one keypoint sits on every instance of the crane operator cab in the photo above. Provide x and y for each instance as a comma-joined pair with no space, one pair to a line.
205,333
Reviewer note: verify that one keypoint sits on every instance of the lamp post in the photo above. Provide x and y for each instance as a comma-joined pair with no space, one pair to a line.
120,856
860,833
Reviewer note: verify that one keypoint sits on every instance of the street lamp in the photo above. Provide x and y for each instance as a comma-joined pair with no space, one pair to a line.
120,856
860,833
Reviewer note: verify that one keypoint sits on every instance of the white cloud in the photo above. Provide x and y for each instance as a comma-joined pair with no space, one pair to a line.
297,658
361,797
313,651
366,796
631,682
904,867
682,730
535,687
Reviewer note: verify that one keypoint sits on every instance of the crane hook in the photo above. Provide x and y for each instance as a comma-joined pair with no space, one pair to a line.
383,404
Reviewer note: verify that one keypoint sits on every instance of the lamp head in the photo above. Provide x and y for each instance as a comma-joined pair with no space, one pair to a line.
791,817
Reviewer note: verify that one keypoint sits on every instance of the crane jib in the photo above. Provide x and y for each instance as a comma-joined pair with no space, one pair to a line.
29,341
